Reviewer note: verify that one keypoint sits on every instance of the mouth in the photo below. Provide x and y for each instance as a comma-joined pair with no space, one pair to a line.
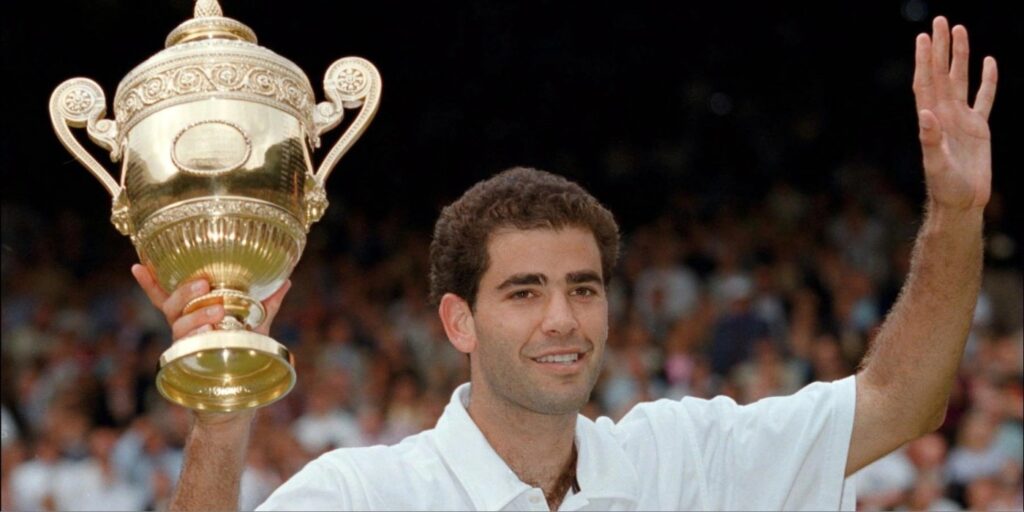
564,363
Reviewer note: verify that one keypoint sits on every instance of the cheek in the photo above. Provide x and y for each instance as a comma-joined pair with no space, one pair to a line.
521,318
595,322
504,332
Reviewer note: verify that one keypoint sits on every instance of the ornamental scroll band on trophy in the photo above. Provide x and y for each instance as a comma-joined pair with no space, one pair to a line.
215,135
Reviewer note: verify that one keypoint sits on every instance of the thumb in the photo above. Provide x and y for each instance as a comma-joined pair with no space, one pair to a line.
930,128
272,304
149,284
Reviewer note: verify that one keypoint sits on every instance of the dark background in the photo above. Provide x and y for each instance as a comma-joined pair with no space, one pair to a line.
639,102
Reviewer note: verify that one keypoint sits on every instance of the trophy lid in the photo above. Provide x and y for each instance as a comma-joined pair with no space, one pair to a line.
212,56
209,23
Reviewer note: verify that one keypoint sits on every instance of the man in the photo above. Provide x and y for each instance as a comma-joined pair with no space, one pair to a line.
519,267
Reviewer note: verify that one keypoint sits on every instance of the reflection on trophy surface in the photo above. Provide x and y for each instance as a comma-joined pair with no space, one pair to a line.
214,135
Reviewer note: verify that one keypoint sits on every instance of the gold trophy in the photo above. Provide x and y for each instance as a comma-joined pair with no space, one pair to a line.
215,133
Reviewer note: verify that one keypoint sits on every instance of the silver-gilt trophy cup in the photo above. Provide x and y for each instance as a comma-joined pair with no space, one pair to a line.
214,135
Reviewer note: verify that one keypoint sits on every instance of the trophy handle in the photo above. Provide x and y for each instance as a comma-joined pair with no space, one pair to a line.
349,83
80,102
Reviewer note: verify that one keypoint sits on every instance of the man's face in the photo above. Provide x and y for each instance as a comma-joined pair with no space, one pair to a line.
541,319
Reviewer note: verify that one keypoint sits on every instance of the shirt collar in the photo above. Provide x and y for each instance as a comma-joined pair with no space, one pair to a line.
490,483
603,470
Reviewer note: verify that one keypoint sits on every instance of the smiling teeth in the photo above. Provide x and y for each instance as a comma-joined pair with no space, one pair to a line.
564,358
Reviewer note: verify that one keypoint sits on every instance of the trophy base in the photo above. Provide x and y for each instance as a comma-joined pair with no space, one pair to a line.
225,371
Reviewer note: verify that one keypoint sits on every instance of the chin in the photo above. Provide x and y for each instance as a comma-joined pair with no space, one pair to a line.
565,401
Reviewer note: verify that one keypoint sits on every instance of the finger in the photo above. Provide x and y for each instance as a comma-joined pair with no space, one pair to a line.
924,89
958,69
940,57
931,140
175,304
191,323
273,305
198,330
987,91
147,281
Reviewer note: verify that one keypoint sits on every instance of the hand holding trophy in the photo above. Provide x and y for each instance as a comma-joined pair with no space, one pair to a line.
215,134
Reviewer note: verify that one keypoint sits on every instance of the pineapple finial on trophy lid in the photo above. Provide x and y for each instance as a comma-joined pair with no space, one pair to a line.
207,8
208,22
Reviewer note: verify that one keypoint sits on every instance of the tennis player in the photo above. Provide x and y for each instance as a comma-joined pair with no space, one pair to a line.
519,269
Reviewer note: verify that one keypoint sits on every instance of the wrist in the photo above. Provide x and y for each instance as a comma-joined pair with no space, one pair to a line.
227,422
942,218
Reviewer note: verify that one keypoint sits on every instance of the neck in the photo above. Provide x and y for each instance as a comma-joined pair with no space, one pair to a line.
539,448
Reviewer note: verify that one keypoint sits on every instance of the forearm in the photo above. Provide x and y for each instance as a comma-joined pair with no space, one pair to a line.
914,359
215,456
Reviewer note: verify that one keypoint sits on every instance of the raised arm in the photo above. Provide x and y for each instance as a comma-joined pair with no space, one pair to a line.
215,451
905,380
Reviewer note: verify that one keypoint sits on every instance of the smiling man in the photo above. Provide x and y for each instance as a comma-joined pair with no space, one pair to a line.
518,267
519,271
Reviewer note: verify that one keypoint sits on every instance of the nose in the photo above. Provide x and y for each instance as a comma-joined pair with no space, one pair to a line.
559,317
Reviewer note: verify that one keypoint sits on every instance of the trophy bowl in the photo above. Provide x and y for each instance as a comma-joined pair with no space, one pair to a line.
214,135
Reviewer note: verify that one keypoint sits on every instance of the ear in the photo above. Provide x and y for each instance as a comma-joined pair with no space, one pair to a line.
457,318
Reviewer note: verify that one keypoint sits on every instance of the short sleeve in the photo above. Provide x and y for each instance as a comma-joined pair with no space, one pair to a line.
781,453
320,485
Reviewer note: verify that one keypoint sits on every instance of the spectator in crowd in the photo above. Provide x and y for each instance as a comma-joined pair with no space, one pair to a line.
976,455
31,483
665,290
325,425
94,482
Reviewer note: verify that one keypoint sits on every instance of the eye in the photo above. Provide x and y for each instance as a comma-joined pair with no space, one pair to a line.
522,294
585,291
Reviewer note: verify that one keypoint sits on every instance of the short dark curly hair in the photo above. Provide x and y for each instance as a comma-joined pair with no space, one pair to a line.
521,198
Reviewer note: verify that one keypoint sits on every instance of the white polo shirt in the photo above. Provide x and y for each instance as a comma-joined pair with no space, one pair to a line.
784,453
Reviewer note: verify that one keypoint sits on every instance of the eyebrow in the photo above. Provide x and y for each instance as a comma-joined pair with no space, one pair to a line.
583,276
523,279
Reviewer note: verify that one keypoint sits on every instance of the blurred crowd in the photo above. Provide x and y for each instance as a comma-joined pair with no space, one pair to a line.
711,297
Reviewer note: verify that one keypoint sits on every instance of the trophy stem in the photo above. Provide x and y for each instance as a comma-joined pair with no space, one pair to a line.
231,323
230,368
241,310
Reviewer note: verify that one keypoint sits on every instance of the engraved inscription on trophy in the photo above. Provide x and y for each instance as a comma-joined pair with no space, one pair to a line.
210,148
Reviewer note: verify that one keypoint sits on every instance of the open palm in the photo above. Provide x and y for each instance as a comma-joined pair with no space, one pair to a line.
955,139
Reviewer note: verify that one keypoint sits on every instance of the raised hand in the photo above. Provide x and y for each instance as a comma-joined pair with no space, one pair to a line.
955,138
172,305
